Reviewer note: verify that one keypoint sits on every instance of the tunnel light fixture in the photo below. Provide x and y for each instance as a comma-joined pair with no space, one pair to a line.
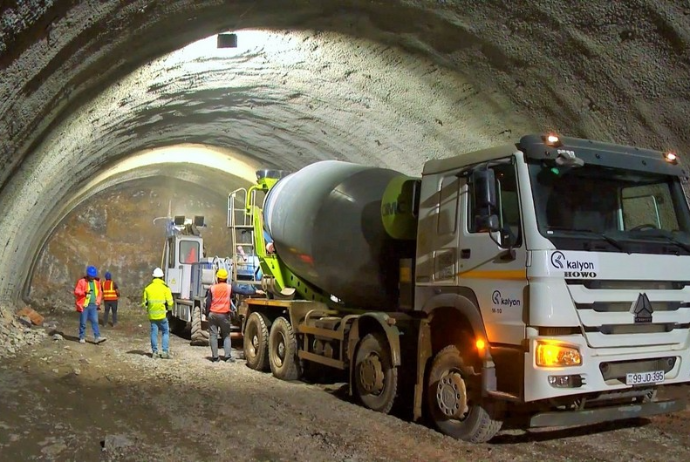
226,41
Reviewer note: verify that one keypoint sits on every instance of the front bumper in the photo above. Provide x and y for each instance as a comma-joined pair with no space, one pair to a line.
536,379
605,414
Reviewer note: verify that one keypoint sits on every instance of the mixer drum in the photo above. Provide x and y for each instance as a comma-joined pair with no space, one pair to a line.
325,220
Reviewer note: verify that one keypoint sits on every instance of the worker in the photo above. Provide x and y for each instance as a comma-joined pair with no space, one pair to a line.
158,299
89,296
111,293
270,247
218,308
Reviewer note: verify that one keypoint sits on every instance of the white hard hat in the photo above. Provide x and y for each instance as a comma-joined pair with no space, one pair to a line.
158,273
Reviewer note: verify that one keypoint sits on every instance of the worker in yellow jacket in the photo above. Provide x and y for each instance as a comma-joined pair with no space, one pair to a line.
158,299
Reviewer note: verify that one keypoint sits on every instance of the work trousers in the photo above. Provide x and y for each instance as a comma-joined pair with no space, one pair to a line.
90,314
161,324
220,321
110,305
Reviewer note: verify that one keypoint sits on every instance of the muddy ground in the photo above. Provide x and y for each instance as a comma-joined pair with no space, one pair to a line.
63,401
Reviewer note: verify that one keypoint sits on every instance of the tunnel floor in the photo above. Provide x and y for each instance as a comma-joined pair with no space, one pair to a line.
61,400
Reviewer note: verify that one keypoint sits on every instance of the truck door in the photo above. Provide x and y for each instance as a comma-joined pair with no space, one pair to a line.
493,265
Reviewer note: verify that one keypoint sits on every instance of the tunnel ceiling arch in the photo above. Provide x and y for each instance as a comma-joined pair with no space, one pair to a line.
403,81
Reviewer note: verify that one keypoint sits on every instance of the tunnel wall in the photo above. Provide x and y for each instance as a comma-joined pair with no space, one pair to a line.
113,230
444,76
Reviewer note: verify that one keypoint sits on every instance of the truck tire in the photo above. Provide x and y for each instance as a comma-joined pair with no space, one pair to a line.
200,337
375,377
256,342
282,351
451,407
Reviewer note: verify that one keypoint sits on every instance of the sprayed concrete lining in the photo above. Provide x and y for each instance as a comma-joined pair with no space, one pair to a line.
84,85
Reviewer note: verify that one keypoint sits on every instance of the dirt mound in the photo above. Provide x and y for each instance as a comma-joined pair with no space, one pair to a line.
18,329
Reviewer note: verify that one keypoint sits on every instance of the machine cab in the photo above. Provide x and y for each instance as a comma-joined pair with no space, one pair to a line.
184,248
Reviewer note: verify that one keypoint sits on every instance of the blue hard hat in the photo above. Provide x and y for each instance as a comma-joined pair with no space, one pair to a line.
108,276
91,271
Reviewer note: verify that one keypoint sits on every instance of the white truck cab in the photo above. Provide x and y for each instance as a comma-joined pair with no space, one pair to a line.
570,261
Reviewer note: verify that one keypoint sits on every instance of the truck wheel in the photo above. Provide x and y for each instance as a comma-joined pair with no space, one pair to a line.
256,342
376,379
200,336
282,351
455,410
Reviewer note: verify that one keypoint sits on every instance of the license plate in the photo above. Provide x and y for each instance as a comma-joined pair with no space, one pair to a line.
640,378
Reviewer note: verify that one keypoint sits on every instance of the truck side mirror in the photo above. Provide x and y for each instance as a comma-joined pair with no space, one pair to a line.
485,202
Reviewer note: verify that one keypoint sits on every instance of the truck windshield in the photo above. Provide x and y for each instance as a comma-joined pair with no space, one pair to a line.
610,209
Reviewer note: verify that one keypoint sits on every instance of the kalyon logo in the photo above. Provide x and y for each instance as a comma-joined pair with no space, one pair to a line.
498,300
559,261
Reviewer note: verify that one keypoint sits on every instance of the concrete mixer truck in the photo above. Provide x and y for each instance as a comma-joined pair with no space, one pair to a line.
542,283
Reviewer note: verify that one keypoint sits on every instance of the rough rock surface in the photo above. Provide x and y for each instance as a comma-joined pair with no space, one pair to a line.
15,334
388,83
115,232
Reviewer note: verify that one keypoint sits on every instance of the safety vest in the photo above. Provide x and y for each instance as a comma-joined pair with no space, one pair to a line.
93,296
109,293
156,296
220,297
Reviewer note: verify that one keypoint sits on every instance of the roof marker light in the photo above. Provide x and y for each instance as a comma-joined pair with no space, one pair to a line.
551,140
671,157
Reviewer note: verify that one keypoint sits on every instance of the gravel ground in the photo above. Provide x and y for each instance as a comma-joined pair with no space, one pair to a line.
60,400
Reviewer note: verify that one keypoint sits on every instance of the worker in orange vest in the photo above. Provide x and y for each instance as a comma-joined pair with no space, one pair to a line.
111,293
218,308
89,295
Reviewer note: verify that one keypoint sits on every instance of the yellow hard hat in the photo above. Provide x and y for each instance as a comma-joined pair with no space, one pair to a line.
222,274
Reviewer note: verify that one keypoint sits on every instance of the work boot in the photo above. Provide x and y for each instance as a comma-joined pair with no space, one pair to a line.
155,355
230,360
166,355
81,340
100,340
215,360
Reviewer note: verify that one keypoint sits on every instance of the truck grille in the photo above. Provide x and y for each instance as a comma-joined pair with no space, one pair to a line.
607,312
616,370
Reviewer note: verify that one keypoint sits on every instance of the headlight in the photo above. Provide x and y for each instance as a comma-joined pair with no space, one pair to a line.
551,355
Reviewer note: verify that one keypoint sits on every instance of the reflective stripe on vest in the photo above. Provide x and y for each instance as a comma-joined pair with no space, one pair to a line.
96,289
109,291
156,309
220,298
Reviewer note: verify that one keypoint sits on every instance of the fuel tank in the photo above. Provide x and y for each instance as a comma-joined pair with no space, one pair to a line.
326,224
